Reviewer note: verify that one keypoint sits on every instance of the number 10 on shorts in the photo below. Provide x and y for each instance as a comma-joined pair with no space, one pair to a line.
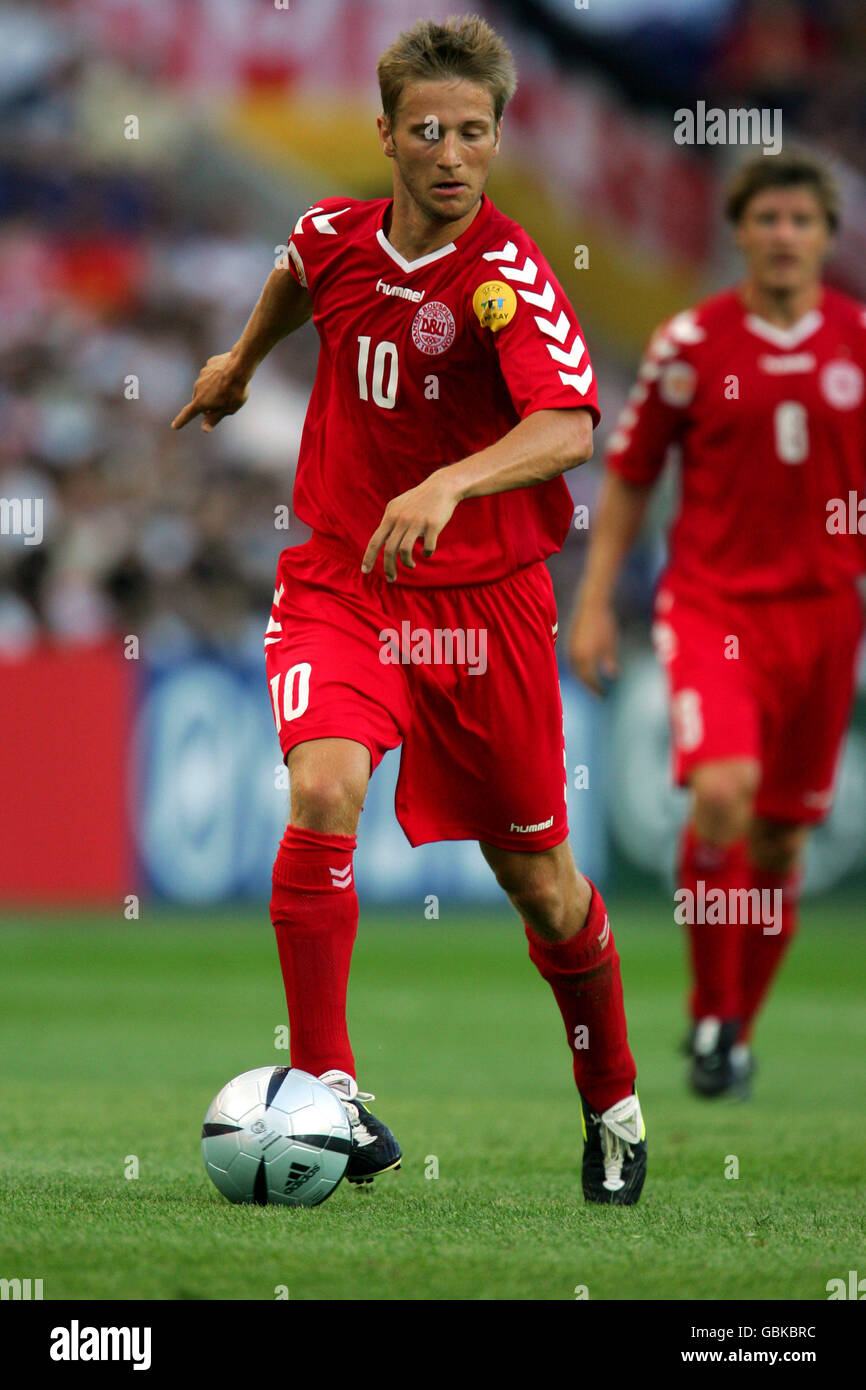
296,693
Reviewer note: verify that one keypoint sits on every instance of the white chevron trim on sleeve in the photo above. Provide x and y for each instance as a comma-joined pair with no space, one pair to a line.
568,359
558,330
321,220
527,276
542,301
508,253
323,223
649,371
580,383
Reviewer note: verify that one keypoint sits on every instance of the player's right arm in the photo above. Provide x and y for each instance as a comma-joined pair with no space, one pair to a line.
223,382
651,421
592,641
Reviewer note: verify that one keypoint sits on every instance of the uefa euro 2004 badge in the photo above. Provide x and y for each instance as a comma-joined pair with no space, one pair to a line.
495,303
841,383
433,327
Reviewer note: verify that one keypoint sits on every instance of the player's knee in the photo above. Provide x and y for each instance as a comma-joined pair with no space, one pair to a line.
331,805
539,898
723,799
545,908
776,848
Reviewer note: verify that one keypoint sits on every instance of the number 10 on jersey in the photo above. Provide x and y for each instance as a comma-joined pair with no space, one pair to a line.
384,359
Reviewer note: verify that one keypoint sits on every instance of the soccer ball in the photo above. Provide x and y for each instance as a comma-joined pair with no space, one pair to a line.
276,1134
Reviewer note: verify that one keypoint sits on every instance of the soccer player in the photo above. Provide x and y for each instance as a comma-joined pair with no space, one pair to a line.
757,616
453,390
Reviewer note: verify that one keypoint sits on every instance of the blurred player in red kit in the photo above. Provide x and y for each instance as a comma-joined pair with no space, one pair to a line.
757,614
453,391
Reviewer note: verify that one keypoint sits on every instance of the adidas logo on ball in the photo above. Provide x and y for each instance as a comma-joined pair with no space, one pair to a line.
299,1173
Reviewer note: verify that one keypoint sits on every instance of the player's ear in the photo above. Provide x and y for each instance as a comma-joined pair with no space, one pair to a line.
385,137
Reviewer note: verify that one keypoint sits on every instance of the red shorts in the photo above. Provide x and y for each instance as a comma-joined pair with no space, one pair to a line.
465,678
769,679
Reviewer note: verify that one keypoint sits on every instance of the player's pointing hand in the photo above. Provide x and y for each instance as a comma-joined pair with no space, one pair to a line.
592,646
219,390
423,512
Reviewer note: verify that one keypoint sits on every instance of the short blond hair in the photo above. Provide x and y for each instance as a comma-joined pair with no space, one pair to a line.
460,48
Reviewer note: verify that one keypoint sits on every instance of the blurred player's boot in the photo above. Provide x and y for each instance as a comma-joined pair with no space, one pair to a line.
741,1063
711,1072
374,1148
614,1153
743,1066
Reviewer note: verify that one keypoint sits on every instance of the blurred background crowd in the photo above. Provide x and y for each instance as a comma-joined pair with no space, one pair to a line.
132,249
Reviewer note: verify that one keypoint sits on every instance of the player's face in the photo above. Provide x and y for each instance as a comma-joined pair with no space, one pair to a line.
784,236
443,141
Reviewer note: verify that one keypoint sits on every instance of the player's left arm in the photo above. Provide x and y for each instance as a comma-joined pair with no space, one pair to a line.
541,446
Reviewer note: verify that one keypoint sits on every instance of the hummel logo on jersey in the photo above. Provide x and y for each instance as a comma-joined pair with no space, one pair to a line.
794,362
341,878
604,934
528,829
544,298
401,291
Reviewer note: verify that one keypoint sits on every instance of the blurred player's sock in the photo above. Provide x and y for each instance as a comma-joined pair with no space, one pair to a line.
762,951
715,948
314,909
585,978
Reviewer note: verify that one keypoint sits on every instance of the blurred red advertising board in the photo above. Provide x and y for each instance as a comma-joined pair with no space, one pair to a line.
65,719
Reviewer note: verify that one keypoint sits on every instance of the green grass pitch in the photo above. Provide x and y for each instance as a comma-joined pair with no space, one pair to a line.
116,1035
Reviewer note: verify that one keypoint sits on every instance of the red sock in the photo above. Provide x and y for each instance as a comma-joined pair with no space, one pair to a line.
585,978
715,947
763,951
314,909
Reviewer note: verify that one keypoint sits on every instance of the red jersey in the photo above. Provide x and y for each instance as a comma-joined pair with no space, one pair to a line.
771,424
423,363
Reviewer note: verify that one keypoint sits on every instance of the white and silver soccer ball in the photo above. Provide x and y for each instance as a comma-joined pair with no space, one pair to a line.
276,1134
